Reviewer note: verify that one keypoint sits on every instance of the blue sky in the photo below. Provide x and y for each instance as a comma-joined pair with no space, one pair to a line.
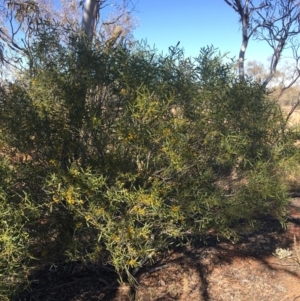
196,24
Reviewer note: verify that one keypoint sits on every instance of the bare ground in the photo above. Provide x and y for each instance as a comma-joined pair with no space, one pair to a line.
248,270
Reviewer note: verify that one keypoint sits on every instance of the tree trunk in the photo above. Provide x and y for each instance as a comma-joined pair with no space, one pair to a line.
245,24
90,16
74,148
244,13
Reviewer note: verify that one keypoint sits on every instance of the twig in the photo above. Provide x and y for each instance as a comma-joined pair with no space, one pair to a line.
157,268
292,110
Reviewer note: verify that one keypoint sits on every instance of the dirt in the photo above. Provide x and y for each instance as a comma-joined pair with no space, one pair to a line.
248,270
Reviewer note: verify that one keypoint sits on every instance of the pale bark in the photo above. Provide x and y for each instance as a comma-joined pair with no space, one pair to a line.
245,24
245,14
278,28
91,13
275,22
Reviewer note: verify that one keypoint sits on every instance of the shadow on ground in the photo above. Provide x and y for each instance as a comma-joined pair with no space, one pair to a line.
221,270
71,281
183,274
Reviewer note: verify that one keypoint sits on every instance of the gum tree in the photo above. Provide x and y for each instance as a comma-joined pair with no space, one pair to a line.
275,22
21,22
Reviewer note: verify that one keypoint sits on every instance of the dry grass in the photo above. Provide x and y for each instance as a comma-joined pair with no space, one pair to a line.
295,117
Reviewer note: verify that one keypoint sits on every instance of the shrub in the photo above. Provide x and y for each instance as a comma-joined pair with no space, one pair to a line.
15,211
136,151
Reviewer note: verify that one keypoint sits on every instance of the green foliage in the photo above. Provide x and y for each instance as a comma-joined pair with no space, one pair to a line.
130,151
15,212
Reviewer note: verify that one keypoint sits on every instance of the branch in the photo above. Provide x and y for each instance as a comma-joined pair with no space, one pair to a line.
297,70
10,42
293,109
232,5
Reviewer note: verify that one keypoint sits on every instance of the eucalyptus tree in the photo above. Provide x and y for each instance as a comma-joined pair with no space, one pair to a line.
22,22
274,22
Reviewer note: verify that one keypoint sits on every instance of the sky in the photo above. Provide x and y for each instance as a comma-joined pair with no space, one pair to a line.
196,24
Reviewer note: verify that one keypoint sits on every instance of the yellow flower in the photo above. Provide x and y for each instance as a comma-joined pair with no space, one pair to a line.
147,200
71,201
141,211
132,263
52,161
55,200
144,233
69,196
166,132
115,238
115,262
138,210
88,217
123,92
175,208
99,211
131,137
130,230
74,172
